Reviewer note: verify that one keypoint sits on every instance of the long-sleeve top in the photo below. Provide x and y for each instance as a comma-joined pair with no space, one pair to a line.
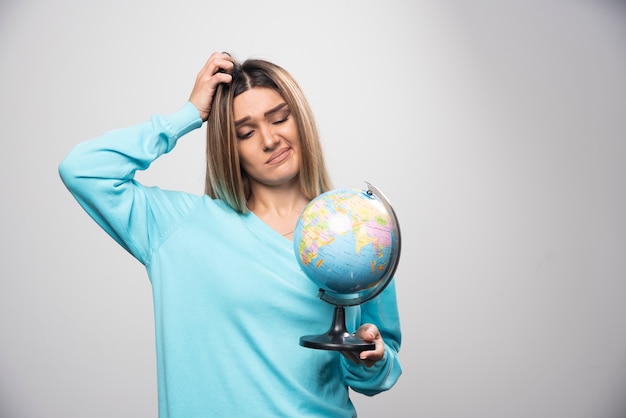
230,300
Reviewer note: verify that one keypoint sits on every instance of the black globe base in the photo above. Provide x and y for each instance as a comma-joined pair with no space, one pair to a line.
337,337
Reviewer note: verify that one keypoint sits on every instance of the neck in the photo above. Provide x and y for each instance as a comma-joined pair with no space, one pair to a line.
280,201
280,211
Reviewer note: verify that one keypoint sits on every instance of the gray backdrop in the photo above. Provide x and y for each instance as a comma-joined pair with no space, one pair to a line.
497,130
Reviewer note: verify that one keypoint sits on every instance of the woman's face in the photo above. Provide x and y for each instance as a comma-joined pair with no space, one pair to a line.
267,137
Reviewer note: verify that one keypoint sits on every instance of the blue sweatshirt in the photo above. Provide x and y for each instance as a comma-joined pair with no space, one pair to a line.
230,300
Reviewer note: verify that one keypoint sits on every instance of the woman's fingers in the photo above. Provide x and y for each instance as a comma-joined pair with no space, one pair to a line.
215,71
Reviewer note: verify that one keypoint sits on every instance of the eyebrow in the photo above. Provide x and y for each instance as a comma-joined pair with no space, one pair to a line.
266,114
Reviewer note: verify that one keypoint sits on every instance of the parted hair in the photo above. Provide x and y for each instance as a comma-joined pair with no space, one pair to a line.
225,178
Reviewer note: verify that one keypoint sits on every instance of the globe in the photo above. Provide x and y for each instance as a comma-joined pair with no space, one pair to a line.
347,241
343,240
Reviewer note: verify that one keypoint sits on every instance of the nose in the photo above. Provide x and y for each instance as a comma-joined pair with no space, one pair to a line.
269,139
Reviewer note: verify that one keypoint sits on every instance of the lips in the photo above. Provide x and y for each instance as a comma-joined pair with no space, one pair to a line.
279,156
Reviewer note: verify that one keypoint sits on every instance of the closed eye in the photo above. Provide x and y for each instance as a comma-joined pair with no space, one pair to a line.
283,120
282,117
245,135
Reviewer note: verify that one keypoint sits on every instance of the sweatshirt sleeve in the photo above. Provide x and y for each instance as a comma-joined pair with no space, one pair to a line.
381,311
100,173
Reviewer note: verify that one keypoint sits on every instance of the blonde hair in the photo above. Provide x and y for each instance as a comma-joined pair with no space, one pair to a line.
225,179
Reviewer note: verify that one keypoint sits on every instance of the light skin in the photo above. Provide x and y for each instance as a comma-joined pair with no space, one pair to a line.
269,152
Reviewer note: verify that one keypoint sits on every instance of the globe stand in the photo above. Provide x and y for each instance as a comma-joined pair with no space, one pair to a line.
337,337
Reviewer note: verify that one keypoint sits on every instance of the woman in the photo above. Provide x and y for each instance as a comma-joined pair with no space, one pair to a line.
230,300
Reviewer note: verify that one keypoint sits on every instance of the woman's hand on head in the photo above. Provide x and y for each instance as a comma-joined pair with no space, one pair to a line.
370,334
216,70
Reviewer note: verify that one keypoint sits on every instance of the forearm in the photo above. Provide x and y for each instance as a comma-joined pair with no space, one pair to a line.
99,172
375,379
381,311
115,156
